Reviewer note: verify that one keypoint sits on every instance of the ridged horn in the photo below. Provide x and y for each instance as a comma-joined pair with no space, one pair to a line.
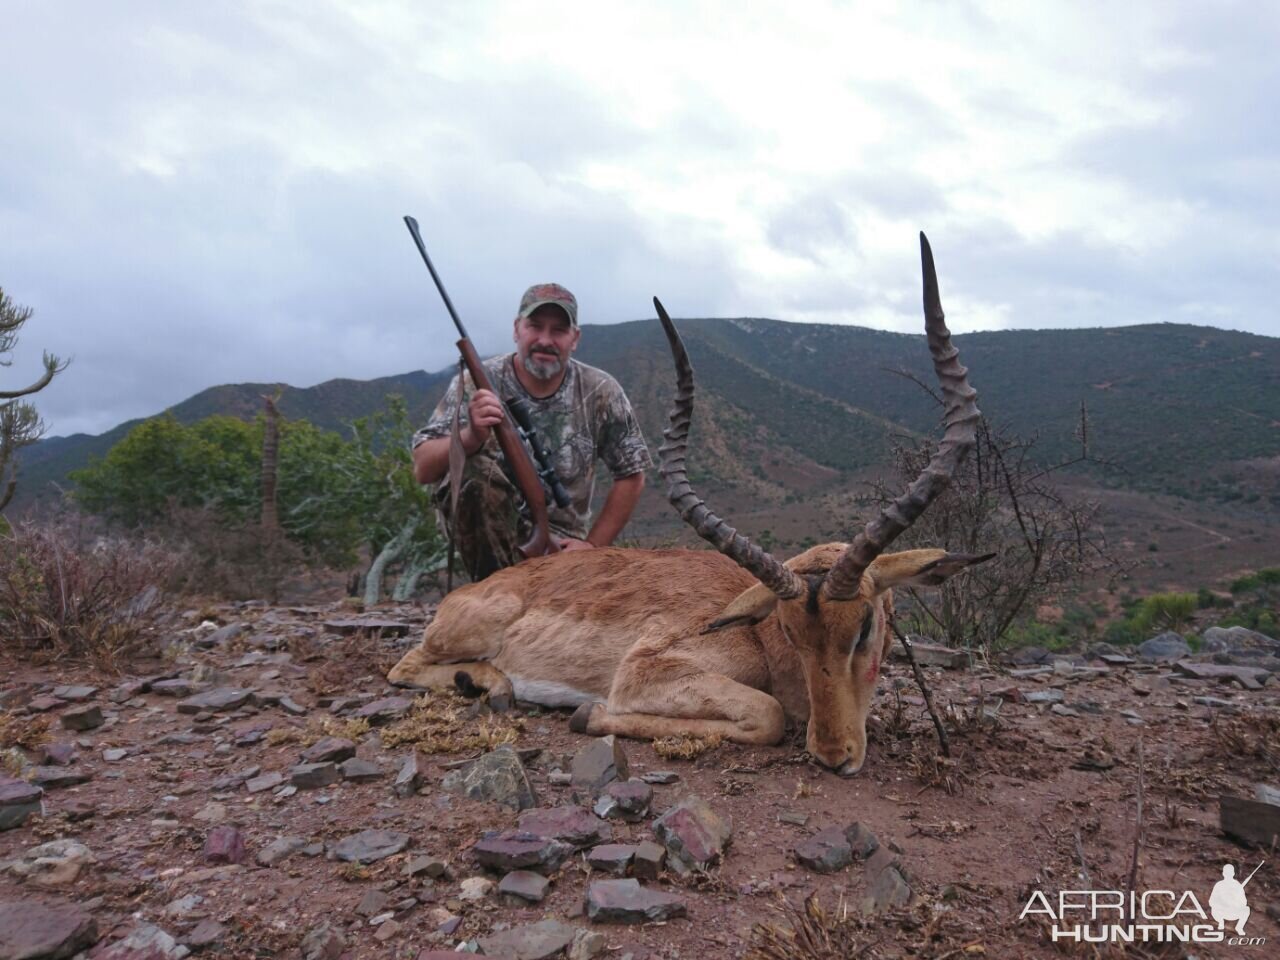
757,561
961,419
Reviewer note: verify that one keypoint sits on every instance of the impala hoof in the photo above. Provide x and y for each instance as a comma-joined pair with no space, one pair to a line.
848,769
581,718
466,686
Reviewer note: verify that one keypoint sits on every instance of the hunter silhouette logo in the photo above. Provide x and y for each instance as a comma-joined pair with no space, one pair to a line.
1228,901
1149,916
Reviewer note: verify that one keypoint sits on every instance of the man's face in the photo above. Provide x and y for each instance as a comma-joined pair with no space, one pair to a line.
544,341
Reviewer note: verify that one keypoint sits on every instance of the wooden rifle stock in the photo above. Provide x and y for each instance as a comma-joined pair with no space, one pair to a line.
541,543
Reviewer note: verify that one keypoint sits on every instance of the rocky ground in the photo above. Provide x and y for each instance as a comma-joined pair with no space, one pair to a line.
261,791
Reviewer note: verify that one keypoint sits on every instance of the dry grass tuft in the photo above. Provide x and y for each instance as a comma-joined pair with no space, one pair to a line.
26,732
927,765
352,728
1255,739
686,747
813,934
279,735
439,724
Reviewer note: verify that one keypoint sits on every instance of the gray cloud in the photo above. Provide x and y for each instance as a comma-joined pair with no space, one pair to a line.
197,195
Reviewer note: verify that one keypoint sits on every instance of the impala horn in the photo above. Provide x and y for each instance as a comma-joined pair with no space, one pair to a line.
757,561
961,419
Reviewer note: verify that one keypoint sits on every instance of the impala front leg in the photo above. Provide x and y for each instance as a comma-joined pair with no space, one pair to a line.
696,705
471,679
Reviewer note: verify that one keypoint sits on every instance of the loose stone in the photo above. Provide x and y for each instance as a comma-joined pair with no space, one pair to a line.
625,901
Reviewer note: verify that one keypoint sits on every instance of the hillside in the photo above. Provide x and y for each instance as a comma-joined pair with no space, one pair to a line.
788,412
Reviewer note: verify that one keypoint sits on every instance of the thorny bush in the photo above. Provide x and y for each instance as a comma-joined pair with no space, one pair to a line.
67,592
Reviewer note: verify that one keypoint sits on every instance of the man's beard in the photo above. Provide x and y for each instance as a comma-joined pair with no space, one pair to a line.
544,366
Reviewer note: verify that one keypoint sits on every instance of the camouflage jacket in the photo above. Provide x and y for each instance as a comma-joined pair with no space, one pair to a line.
588,418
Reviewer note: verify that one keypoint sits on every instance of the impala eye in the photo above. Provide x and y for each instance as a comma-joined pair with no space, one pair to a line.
867,624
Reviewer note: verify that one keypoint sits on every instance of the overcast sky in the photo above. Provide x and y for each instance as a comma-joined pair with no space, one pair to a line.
197,193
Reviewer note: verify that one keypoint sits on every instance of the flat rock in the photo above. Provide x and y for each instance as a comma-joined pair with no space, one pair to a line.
74,693
369,846
572,825
534,941
649,860
176,687
1116,659
384,711
222,635
388,628
85,717
598,762
18,800
323,943
411,776
45,704
517,850
1166,646
660,777
612,858
58,754
1232,640
145,942
827,851
205,934
53,778
360,771
889,890
54,864
625,901
219,700
498,776
372,903
524,886
1253,819
432,867
33,929
267,781
1044,696
625,800
314,776
224,845
329,749
1251,678
126,691
694,835
475,888
279,849
862,842
933,655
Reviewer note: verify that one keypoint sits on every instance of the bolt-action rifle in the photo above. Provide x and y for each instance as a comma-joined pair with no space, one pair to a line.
528,477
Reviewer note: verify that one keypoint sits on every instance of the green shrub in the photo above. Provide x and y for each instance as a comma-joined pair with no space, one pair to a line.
1269,576
1121,633
1163,611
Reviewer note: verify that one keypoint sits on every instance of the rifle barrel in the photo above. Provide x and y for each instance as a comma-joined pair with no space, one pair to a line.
412,224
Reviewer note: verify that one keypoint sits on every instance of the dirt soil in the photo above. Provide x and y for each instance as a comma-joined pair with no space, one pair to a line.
1028,801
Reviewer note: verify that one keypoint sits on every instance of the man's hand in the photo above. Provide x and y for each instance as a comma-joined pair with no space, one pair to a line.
485,412
568,543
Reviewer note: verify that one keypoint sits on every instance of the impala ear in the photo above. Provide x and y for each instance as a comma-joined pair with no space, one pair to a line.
920,568
750,606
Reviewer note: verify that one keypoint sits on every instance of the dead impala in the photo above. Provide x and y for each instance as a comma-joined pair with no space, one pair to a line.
654,643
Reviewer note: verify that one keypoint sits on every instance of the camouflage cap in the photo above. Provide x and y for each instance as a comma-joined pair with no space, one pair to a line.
541,294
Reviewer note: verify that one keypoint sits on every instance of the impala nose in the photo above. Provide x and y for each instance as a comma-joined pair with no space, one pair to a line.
848,768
